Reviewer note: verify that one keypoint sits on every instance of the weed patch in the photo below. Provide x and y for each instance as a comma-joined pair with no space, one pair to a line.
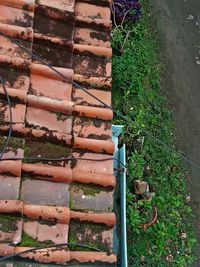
136,92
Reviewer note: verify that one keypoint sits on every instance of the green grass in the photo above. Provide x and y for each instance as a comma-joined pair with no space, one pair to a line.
137,70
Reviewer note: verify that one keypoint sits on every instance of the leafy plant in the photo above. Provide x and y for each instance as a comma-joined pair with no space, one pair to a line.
137,70
128,9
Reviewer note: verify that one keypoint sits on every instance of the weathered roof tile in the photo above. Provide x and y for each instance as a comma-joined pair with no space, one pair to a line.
61,201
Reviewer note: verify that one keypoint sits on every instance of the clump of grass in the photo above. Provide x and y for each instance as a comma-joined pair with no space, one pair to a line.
136,92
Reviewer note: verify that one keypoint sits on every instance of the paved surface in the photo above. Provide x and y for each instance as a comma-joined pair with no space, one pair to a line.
179,23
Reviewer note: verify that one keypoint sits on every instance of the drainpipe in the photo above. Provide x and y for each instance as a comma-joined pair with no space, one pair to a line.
121,155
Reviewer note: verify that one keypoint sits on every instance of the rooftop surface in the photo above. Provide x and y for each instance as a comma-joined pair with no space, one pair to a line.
52,202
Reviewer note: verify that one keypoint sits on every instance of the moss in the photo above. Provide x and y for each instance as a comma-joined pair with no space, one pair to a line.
94,85
61,117
50,223
14,143
1,140
75,230
71,203
98,16
90,190
28,241
27,152
8,223
35,148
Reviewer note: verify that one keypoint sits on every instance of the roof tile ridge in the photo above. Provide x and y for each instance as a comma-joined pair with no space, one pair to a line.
17,31
60,256
22,4
63,215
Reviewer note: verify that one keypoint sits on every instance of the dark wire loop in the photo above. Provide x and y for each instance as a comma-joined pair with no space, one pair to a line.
49,246
11,121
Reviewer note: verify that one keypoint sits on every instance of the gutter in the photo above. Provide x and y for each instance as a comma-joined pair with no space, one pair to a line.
120,153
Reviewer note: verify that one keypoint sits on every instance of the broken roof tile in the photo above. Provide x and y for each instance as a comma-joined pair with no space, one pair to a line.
56,233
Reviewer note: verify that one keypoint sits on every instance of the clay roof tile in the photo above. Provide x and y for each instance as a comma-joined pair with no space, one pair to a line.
55,117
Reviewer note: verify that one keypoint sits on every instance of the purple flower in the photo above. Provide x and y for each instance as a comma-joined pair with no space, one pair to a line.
130,9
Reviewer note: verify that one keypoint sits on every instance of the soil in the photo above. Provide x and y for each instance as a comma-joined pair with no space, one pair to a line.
179,27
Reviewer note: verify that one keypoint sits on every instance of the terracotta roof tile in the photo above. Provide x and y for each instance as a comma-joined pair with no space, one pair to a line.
15,16
93,166
65,5
60,201
91,198
39,88
10,187
56,233
44,192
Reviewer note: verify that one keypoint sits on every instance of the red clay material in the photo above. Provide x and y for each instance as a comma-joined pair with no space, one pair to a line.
60,214
106,218
94,145
11,206
92,257
29,4
50,255
11,167
6,250
54,118
95,178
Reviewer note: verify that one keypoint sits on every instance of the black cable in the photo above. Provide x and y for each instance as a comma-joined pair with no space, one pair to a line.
49,246
129,120
10,112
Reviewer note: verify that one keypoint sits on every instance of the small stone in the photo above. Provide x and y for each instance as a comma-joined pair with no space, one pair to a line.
190,17
149,196
188,198
183,235
142,258
170,258
141,187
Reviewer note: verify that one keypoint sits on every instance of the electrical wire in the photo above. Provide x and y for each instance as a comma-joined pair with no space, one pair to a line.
10,112
46,159
118,113
49,246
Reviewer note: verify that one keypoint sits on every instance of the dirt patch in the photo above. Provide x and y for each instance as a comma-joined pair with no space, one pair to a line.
179,24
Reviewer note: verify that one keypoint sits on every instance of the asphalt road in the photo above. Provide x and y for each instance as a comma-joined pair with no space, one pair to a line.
179,24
